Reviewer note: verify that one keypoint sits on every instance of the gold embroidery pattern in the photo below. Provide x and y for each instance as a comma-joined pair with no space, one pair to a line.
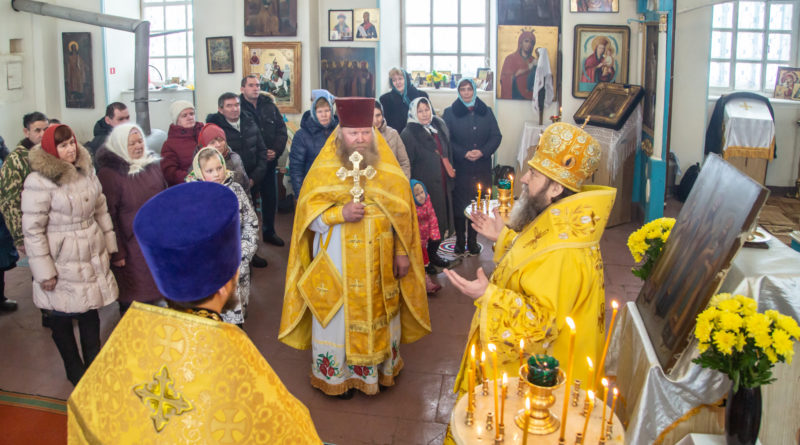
577,222
161,399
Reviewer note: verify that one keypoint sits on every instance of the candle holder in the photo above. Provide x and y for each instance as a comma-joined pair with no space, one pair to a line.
609,428
521,387
501,435
578,439
474,207
585,407
489,421
485,387
541,422
576,393
504,196
602,440
470,418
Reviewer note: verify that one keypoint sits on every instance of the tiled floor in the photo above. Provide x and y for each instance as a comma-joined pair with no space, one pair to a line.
415,411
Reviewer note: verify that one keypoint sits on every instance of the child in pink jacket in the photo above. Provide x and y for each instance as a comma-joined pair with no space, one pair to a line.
428,227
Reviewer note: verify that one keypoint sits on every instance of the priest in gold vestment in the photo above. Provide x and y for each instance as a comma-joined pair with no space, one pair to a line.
548,261
181,375
355,283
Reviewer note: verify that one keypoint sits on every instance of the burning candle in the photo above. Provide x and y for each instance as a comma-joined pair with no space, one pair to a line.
479,193
613,406
511,178
503,399
590,372
471,376
590,398
488,199
493,350
614,307
605,399
483,366
527,420
569,378
521,352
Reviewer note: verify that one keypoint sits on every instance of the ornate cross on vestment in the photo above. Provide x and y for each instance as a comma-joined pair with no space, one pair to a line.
356,174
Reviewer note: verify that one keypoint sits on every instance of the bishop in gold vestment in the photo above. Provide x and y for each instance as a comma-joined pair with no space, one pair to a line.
355,284
548,261
181,375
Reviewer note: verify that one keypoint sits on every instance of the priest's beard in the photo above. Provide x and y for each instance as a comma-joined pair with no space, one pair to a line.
368,150
527,208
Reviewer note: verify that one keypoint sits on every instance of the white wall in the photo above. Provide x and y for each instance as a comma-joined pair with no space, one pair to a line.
14,104
119,50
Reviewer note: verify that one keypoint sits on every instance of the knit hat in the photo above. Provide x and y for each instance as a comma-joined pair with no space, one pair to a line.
49,139
177,227
567,154
176,108
209,133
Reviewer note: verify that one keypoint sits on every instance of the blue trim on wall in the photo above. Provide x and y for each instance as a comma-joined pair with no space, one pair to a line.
658,174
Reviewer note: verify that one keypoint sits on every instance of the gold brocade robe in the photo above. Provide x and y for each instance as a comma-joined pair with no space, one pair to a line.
370,296
169,377
549,271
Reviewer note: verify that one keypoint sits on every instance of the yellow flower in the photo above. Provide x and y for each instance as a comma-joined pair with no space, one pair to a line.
724,341
758,328
749,306
773,314
730,321
771,355
702,347
789,325
782,342
729,305
703,329
741,342
717,299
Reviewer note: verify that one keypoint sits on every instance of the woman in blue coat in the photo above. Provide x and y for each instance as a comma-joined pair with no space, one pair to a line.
316,125
474,136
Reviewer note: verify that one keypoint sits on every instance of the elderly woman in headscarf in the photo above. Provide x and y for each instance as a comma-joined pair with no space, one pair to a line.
397,101
130,175
392,138
68,239
209,165
431,156
474,136
316,125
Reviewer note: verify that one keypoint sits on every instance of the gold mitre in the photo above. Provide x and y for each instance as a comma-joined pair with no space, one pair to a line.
567,154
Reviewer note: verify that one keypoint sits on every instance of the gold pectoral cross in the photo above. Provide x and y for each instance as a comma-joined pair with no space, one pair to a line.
357,191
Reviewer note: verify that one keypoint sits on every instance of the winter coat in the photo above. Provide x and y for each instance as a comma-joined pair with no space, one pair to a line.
101,131
395,111
426,166
471,130
8,253
270,121
247,142
68,233
177,152
234,163
15,169
398,148
306,145
125,194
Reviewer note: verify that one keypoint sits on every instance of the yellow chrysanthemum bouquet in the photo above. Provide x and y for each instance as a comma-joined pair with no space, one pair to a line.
744,344
436,76
646,244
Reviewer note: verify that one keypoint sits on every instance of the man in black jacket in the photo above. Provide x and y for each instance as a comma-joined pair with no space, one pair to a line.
244,138
273,132
116,113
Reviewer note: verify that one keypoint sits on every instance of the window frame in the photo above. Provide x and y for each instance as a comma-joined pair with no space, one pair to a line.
767,85
486,54
188,58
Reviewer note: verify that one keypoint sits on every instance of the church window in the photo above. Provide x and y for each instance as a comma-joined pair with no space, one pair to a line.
171,41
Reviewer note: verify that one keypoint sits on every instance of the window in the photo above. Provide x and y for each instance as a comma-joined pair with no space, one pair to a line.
446,35
171,53
749,41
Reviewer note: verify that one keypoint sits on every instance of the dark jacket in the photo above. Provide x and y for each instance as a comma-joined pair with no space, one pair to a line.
395,111
247,143
177,152
270,121
306,145
125,194
426,167
471,130
714,136
100,132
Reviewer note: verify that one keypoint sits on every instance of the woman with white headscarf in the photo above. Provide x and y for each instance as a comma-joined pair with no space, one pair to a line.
430,154
130,175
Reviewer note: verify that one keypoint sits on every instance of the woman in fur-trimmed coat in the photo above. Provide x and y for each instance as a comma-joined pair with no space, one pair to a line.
130,175
68,239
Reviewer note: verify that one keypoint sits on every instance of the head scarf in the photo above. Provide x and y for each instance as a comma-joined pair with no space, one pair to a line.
474,92
379,106
404,94
196,174
117,143
412,114
316,96
414,182
49,140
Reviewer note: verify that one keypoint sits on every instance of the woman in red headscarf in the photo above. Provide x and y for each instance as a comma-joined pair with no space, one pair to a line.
68,238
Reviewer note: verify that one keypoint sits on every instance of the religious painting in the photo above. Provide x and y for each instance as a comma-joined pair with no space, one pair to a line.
594,6
368,24
601,55
277,65
78,79
710,229
219,54
264,18
418,78
650,73
340,25
348,71
529,12
787,85
609,105
519,52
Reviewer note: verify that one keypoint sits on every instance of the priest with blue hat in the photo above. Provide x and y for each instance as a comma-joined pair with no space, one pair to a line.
179,374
